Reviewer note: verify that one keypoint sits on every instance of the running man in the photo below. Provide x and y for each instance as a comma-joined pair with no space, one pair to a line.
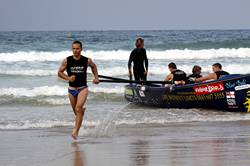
140,61
76,67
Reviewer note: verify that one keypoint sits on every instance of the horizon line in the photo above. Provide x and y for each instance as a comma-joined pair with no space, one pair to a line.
100,30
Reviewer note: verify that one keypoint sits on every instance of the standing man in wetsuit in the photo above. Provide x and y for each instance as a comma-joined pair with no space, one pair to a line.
140,61
76,67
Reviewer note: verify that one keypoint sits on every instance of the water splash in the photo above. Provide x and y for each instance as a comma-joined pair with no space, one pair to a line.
105,128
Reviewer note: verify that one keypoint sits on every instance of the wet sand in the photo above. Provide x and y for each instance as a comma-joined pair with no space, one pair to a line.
189,144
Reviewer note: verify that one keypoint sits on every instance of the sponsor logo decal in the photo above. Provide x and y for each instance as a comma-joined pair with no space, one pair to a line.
77,69
209,88
231,98
230,94
247,103
241,87
141,93
129,92
234,84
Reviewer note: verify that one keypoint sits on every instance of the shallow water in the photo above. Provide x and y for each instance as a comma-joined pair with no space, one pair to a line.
196,143
36,118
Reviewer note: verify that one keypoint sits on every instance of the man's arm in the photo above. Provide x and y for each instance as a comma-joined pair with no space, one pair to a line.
130,62
146,62
129,65
94,70
61,70
207,77
169,77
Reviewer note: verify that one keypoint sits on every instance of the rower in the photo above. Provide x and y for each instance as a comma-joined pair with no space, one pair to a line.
196,74
178,77
217,73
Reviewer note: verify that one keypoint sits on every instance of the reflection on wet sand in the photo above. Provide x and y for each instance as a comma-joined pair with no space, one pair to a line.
79,158
139,153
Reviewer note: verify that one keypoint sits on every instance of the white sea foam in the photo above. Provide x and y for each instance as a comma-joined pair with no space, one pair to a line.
39,124
232,68
29,124
34,72
33,56
90,125
162,121
114,89
111,71
206,68
124,54
52,101
36,91
53,91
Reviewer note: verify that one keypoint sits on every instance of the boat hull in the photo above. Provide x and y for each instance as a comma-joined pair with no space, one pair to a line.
230,93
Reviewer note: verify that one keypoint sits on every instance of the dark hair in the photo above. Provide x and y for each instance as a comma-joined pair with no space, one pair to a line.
172,65
77,42
139,39
217,65
196,68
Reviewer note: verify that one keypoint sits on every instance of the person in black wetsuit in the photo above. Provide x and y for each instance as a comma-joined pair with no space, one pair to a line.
178,77
140,61
196,74
76,68
218,73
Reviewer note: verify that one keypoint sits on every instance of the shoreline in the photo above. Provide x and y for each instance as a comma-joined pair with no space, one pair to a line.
196,143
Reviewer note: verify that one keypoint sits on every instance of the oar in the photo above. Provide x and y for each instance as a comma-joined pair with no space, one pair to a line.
137,82
111,78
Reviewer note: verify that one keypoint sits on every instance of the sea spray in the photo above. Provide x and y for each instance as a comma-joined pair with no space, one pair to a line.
105,128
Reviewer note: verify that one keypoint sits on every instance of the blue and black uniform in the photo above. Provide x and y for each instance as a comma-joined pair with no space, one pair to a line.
221,73
78,68
179,75
192,76
138,56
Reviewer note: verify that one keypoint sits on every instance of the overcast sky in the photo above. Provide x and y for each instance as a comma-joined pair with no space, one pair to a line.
124,14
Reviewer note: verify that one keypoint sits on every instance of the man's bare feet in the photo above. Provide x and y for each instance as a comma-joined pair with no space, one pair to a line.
74,134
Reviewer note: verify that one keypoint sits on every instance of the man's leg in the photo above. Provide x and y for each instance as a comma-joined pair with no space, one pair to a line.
79,111
143,76
73,100
136,75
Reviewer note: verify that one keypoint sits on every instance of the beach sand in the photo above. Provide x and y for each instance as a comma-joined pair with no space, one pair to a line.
196,143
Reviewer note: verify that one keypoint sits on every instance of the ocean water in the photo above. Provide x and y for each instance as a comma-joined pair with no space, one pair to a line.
31,95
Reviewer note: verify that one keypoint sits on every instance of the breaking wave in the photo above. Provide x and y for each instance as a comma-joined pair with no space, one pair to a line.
124,54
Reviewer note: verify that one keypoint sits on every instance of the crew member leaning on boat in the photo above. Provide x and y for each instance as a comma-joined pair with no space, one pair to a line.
178,77
218,73
196,73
